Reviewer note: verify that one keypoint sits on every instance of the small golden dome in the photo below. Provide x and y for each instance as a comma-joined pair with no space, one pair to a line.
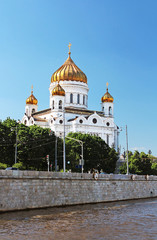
107,96
31,99
69,71
58,90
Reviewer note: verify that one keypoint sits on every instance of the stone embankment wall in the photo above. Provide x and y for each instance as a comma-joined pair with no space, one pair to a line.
33,189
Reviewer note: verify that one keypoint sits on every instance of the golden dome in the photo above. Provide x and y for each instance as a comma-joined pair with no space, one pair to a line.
58,90
31,99
107,96
69,71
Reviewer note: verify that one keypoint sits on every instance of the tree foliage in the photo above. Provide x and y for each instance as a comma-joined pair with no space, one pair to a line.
139,163
3,165
96,153
33,144
154,168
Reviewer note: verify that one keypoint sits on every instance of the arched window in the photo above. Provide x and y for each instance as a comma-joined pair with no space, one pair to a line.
83,99
53,104
33,110
60,104
86,100
25,122
78,98
110,111
71,98
102,109
107,139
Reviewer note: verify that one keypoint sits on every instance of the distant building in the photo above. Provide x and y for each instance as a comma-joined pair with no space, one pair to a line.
69,102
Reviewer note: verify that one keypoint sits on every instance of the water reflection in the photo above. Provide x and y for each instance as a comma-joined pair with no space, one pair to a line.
121,220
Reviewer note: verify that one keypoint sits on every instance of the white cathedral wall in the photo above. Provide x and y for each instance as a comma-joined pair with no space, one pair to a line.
86,129
100,128
45,116
29,108
56,111
106,106
74,87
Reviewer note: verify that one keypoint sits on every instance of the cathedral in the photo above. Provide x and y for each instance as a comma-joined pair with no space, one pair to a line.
68,110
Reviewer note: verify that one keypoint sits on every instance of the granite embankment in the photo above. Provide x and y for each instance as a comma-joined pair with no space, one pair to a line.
33,189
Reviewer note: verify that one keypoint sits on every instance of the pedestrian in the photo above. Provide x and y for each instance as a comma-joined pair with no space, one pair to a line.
96,175
93,172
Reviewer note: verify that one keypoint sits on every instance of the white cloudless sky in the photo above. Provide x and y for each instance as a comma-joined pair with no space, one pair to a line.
112,41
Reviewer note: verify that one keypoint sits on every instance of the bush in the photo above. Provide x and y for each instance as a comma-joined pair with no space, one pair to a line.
19,165
3,166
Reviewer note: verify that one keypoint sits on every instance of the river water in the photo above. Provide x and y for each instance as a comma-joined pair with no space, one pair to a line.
136,220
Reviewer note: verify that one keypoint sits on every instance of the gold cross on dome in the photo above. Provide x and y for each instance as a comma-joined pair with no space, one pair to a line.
69,46
107,86
32,89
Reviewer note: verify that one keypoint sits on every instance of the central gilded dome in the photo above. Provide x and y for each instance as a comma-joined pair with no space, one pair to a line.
69,71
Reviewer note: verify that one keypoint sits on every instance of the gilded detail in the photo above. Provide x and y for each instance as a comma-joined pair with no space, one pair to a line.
58,90
69,71
31,99
107,96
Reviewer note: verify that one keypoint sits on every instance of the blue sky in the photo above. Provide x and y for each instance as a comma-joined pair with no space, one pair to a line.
112,41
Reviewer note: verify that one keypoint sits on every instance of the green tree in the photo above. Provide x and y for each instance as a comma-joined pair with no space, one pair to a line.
3,165
97,154
139,163
7,141
154,168
33,144
19,165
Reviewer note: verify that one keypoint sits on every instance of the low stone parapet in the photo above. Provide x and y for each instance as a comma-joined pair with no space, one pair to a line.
37,189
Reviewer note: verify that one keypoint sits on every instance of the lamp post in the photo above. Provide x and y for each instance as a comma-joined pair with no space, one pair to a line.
64,157
16,145
127,172
48,162
15,128
127,161
56,154
81,144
